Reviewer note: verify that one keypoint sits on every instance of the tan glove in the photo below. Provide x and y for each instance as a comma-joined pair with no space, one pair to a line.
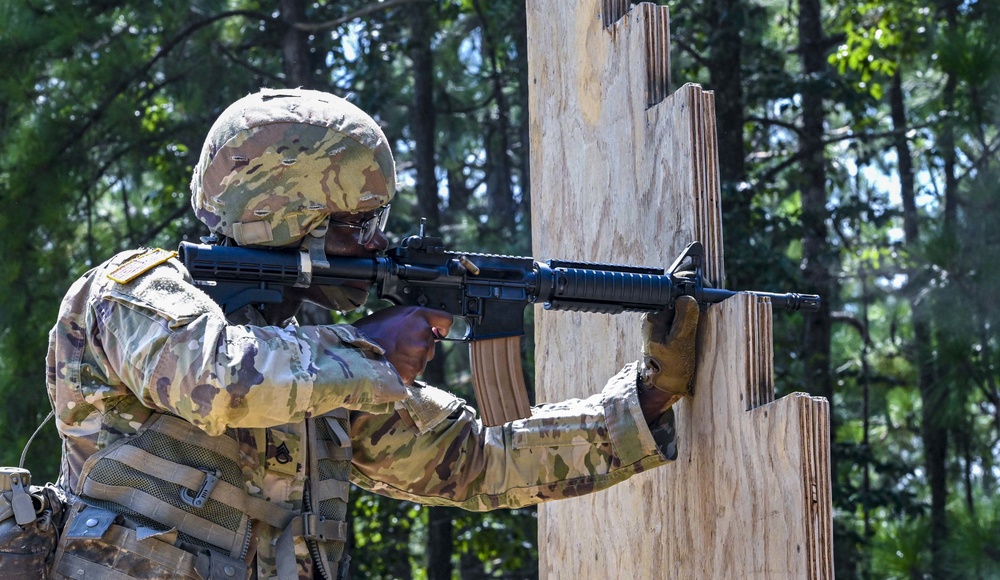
668,347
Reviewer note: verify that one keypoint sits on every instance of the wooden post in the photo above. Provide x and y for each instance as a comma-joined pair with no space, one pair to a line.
623,171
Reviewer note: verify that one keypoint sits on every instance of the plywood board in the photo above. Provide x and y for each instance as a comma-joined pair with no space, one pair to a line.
625,171
748,496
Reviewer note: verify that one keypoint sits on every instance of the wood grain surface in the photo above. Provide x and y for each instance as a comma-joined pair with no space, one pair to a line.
625,171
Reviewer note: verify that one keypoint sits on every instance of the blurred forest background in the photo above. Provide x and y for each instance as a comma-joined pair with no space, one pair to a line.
858,149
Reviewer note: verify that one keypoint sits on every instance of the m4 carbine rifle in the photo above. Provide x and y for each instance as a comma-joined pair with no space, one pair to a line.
489,291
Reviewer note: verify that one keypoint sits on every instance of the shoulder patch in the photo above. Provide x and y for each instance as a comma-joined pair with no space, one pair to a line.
139,265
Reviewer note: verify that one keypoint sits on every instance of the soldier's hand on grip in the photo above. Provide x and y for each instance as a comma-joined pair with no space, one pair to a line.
408,334
668,347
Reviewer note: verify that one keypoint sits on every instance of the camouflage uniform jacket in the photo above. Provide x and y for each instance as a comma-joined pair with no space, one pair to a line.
122,352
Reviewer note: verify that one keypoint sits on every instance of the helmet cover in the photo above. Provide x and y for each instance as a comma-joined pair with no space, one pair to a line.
276,163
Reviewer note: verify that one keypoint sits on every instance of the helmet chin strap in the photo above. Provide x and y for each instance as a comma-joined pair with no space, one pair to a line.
312,253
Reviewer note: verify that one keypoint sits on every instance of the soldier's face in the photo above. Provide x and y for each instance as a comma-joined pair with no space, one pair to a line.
343,241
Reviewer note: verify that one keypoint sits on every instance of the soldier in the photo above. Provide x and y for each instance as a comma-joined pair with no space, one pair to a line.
197,446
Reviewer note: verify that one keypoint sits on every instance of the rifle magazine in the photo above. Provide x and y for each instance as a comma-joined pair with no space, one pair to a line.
498,379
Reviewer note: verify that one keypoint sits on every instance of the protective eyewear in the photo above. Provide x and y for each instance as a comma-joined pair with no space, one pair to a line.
367,228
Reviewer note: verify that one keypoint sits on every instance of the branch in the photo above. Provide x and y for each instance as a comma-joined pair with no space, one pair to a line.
689,50
784,124
254,69
871,136
151,233
984,158
331,24
851,320
172,43
842,136
771,173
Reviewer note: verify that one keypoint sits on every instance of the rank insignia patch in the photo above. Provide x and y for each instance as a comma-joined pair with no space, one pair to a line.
139,265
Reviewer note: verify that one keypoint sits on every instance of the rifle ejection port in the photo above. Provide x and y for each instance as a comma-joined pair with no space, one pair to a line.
468,265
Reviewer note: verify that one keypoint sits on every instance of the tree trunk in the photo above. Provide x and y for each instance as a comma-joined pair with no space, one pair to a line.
521,40
933,433
816,253
294,50
440,542
497,143
727,18
911,224
947,137
725,66
866,413
423,116
423,113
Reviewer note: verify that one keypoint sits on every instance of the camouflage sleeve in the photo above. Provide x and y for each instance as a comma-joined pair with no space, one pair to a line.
173,348
434,451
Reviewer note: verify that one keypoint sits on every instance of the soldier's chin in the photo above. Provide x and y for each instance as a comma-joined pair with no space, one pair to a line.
345,297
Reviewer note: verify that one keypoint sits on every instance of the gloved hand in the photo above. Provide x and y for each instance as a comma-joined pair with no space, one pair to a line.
668,348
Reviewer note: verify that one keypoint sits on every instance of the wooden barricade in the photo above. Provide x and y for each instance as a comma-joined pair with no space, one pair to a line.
624,171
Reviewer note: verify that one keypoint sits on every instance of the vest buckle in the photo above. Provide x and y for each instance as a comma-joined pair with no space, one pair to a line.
198,500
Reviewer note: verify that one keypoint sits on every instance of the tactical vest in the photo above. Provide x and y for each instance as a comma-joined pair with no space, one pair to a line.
170,502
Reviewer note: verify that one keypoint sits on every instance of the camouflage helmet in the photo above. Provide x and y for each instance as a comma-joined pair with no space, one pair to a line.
278,162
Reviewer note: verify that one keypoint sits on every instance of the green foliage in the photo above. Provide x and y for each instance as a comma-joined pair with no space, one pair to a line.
498,545
381,527
872,33
974,543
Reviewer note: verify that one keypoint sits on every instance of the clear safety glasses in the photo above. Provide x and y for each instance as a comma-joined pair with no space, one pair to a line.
367,228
